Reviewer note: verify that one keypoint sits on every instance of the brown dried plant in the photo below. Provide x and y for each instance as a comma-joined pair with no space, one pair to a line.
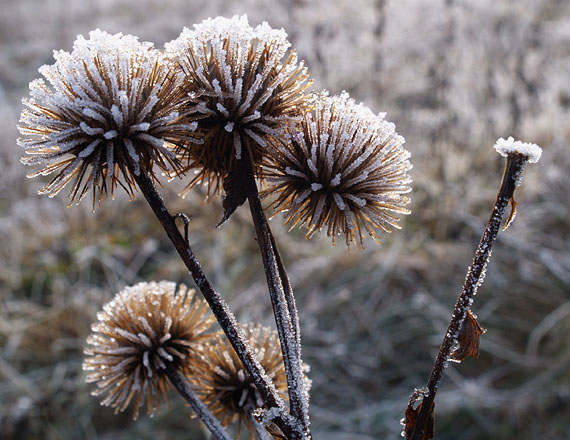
111,101
224,385
249,86
343,168
144,329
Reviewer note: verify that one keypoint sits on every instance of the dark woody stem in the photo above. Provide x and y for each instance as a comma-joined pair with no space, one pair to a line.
282,299
219,308
185,389
288,291
475,274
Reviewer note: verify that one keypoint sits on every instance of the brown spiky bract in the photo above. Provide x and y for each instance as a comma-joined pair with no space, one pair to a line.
224,385
113,107
343,169
249,86
142,330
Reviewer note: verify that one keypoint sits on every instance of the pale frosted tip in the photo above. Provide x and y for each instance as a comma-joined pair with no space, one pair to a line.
508,146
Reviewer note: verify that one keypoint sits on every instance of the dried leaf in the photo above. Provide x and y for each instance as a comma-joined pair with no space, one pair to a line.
468,339
411,416
512,215
235,188
275,432
270,426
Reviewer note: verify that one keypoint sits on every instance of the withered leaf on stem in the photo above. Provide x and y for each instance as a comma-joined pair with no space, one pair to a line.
411,417
235,185
468,339
512,215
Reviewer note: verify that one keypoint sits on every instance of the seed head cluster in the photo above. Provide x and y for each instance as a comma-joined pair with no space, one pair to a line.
224,384
249,86
111,102
144,329
344,169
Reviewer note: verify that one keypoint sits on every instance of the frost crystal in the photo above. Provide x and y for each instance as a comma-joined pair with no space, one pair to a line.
343,168
111,107
508,146
249,87
142,330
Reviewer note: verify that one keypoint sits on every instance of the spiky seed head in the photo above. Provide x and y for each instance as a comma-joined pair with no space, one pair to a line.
142,330
344,169
249,86
111,101
223,383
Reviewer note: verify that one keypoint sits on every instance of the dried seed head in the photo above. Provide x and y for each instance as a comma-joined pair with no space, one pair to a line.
249,86
111,101
344,169
223,383
142,330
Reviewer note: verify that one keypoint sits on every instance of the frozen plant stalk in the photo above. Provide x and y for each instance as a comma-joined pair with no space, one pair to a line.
518,154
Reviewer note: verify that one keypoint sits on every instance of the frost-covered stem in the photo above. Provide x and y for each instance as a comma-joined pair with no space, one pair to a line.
288,291
219,308
475,274
282,302
185,389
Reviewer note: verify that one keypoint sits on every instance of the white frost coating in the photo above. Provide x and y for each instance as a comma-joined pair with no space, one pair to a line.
338,199
316,186
508,146
335,181
229,127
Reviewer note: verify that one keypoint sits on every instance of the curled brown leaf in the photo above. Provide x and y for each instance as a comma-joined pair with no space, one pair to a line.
468,339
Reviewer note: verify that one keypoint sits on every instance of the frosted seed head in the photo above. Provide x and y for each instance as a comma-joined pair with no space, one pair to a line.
138,334
224,385
95,100
333,172
249,87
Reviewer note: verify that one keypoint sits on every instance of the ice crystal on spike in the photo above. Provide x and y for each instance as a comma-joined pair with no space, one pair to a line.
225,386
509,146
110,102
343,168
144,328
249,86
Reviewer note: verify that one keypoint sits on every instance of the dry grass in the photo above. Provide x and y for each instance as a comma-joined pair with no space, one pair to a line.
453,78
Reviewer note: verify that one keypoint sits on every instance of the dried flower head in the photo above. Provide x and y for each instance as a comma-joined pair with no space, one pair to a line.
344,169
111,101
142,330
249,86
225,386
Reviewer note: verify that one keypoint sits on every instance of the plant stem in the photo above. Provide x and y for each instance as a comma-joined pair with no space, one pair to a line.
282,300
475,275
185,389
219,308
288,292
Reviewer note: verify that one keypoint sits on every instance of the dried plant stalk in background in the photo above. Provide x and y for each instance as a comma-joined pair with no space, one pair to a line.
110,101
144,329
344,169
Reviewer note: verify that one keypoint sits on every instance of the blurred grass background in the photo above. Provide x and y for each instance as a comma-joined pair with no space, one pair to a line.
454,76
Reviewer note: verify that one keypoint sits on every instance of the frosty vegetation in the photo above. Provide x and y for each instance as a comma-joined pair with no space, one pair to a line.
453,77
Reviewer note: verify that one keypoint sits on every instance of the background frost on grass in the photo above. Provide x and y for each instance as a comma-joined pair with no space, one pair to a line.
454,77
